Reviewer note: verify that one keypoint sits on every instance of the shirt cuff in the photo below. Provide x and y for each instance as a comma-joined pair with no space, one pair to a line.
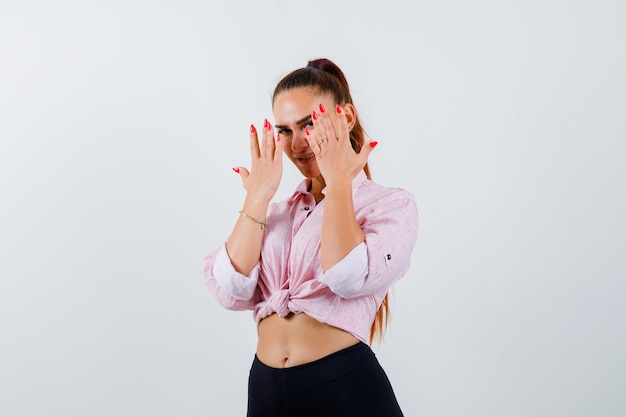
237,285
347,276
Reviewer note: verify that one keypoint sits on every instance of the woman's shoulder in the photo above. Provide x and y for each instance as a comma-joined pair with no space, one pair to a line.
374,199
373,191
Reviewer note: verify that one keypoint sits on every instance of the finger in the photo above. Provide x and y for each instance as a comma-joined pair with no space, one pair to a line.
263,147
341,126
254,143
319,129
323,126
269,142
367,149
314,141
278,153
326,123
243,172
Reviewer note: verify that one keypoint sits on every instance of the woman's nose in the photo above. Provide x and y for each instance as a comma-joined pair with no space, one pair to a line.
299,140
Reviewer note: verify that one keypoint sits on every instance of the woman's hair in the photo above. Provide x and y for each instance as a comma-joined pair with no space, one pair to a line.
324,77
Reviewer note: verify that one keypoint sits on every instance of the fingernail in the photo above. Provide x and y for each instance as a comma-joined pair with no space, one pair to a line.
322,108
252,129
278,138
314,115
338,108
373,144
266,124
236,170
306,130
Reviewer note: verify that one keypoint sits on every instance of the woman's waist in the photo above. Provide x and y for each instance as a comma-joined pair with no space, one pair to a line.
297,339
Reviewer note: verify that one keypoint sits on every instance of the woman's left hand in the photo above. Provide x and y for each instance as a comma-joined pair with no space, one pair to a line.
330,141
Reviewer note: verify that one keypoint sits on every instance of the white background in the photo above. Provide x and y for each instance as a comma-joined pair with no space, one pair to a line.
120,122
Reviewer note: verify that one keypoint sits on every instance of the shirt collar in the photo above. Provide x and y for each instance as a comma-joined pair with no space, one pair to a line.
360,178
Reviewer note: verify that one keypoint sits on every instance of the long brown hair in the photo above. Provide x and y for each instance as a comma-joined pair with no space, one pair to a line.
325,77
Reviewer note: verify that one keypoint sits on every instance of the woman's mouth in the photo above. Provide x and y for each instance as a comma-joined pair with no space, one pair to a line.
306,158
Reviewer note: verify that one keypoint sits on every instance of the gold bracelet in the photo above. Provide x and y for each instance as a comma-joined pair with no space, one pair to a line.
261,222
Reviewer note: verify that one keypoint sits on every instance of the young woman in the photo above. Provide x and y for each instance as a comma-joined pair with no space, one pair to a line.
316,267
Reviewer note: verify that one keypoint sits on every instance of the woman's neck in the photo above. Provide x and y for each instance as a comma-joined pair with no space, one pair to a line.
316,186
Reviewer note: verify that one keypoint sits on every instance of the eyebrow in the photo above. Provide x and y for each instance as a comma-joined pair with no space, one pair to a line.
298,122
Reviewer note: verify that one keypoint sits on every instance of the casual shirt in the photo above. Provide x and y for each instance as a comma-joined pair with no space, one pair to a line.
289,278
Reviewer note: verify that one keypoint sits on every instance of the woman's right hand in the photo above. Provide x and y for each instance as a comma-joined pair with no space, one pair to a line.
263,179
261,183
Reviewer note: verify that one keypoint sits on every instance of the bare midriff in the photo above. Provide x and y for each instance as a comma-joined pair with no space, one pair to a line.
298,339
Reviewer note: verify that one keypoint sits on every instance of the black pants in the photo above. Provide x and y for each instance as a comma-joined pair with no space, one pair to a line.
348,383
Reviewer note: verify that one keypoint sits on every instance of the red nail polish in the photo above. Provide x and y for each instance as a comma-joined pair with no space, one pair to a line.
338,108
322,108
314,115
373,144
306,130
266,124
236,170
252,129
278,138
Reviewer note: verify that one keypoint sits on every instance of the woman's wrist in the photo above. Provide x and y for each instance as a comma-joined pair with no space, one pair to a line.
338,186
256,206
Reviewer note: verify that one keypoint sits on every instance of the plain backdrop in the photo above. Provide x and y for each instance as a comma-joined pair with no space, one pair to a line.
120,122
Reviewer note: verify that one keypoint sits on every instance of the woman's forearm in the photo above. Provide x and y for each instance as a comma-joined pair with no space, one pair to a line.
244,244
340,231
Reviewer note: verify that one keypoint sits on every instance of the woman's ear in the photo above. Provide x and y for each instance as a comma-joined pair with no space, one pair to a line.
350,113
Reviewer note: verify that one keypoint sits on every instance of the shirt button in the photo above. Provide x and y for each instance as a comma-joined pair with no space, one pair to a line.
306,208
388,256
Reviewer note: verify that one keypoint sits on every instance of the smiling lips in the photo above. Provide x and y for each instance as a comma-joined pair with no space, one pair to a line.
306,158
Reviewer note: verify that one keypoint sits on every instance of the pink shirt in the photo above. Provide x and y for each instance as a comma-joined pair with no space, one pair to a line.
289,277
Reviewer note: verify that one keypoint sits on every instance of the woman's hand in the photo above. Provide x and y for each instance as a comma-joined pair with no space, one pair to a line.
330,140
261,183
263,179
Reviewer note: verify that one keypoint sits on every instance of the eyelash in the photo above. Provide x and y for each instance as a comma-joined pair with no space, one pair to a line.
283,132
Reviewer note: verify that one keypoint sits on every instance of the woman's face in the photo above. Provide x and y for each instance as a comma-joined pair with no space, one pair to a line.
292,115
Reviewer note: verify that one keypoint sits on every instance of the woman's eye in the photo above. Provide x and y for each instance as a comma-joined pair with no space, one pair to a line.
282,131
310,124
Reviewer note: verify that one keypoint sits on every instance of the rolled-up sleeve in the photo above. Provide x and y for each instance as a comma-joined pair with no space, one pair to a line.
347,276
232,289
